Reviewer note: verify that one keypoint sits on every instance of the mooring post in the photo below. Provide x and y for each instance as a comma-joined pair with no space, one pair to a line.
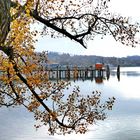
118,72
107,72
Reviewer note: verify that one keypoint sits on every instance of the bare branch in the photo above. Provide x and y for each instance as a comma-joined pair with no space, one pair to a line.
64,32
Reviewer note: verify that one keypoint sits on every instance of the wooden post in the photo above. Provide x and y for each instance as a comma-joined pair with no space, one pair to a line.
60,72
86,73
75,72
68,73
92,73
57,73
107,72
118,72
80,73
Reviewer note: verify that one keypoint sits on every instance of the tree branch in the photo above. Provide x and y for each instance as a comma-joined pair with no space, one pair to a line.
15,67
63,31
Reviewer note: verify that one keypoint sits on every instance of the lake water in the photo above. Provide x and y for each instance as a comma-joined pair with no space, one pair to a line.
122,123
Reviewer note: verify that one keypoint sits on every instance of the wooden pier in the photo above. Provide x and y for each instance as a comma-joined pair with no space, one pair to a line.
59,73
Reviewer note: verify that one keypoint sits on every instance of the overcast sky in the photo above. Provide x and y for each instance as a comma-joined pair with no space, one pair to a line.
103,47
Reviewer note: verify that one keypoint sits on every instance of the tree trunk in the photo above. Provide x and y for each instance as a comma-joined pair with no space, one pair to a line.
4,19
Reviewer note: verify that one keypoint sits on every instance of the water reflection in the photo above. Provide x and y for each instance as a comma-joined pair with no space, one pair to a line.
128,71
123,122
99,80
131,73
118,76
116,129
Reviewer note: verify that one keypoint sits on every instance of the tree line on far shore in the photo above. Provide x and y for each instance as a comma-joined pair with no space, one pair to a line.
85,60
